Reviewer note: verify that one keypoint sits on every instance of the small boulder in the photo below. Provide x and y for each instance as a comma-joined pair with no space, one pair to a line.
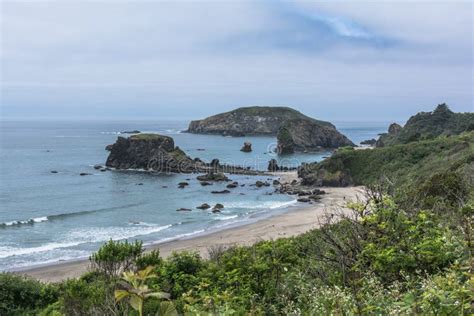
213,176
205,183
97,167
276,182
220,192
304,200
182,209
231,185
204,206
247,147
184,183
259,184
54,171
84,174
273,166
219,206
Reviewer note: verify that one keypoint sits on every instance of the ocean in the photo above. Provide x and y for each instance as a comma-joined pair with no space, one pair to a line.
48,217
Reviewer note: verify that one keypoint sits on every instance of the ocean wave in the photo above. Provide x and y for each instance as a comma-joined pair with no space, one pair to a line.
84,236
32,221
261,205
224,218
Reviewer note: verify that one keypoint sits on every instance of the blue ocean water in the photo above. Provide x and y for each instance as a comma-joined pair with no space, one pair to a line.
47,217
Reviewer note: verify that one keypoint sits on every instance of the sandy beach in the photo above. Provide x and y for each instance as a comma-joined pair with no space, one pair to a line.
291,223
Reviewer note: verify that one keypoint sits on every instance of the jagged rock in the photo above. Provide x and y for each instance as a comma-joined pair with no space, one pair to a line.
220,192
182,209
150,152
273,165
259,184
204,206
219,206
213,176
232,185
276,182
369,142
97,167
205,183
247,147
303,135
109,147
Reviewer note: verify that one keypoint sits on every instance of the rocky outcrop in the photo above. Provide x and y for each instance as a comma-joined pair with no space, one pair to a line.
309,135
369,142
254,120
154,152
428,125
150,152
294,130
247,147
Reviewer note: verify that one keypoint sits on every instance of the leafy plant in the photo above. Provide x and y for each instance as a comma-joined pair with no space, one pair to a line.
137,291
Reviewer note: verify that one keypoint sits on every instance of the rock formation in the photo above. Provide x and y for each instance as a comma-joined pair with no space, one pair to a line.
247,147
304,135
294,130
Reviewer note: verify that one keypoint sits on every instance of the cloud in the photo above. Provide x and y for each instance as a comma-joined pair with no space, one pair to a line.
329,60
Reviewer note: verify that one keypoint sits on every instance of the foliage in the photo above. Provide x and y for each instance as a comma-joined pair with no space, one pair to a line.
115,257
136,291
22,295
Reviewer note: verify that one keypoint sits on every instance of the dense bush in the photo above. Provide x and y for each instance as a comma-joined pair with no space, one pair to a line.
21,295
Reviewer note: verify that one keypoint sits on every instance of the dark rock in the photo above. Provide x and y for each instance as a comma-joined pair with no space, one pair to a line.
183,183
219,206
182,209
140,183
84,174
276,182
204,206
215,163
309,135
259,184
273,166
103,170
97,167
164,186
315,197
150,152
231,186
220,192
54,171
369,142
213,176
131,132
109,147
216,210
205,183
304,200
247,147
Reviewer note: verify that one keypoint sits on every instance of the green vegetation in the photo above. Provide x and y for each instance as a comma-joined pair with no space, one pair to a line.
149,136
428,125
406,250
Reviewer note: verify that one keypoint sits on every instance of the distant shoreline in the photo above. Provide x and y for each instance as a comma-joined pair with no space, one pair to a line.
290,223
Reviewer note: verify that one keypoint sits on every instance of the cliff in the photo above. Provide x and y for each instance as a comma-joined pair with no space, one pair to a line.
309,135
149,152
294,130
428,125
254,120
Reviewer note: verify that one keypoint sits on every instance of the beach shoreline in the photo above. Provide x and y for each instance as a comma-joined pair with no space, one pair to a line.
290,223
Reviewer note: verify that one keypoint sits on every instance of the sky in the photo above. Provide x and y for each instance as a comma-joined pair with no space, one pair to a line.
333,60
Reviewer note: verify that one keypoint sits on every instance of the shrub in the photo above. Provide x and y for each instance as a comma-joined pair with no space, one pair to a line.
22,295
115,257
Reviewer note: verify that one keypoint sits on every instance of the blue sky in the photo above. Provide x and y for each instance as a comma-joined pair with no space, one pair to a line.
333,60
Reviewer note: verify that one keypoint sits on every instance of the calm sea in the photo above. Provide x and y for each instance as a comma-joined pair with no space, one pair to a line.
48,217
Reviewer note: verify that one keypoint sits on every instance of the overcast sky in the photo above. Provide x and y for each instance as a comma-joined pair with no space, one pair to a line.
332,60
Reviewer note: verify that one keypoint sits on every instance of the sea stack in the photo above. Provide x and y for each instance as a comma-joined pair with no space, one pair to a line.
294,130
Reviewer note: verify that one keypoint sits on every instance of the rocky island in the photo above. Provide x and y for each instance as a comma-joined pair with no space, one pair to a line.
294,130
154,152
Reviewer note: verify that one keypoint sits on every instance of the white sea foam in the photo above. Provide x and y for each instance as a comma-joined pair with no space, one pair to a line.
223,218
25,222
82,236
